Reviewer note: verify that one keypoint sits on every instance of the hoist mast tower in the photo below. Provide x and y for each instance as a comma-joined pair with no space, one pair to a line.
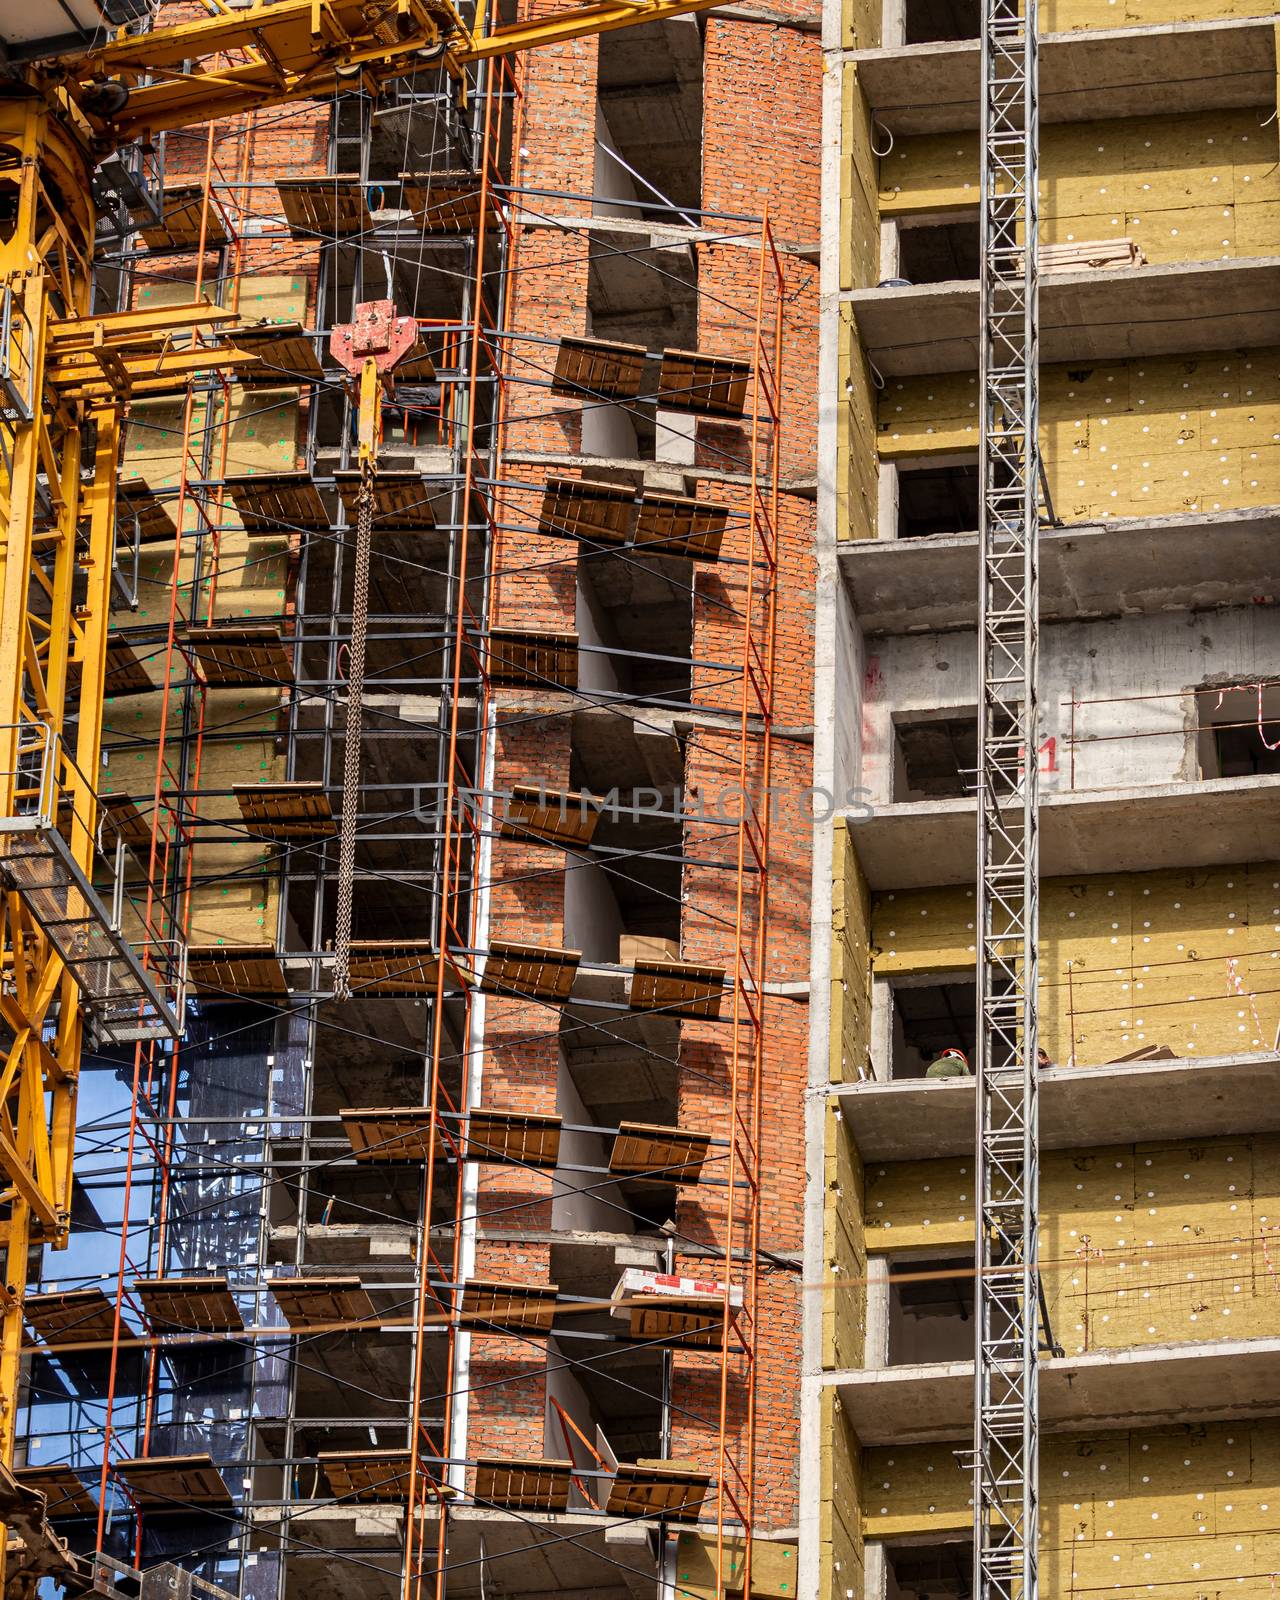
1007,1323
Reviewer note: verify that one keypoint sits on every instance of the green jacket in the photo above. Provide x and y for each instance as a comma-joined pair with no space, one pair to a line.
947,1067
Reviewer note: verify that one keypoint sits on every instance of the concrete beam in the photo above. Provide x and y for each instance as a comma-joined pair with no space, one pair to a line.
629,468
1152,1386
587,1263
346,1244
1095,315
931,843
1217,1097
622,233
1201,561
1084,77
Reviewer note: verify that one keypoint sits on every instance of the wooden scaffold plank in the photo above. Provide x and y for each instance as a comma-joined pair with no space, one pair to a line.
307,1303
125,673
651,1488
234,657
708,386
669,1155
663,1308
391,1133
401,500
488,1306
600,369
233,971
188,1305
285,354
378,1475
140,511
675,525
523,1483
125,821
179,225
524,1138
285,811
680,988
274,504
71,1316
597,513
447,202
532,658
549,816
405,968
175,1483
538,972
66,1498
324,208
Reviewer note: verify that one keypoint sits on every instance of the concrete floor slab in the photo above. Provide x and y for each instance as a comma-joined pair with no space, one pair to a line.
932,843
1098,315
1153,1386
1084,76
1097,570
1079,1106
573,1556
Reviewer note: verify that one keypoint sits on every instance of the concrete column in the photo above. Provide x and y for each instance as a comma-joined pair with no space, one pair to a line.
887,505
877,1351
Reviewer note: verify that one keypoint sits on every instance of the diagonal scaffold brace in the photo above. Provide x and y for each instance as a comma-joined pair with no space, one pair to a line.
369,348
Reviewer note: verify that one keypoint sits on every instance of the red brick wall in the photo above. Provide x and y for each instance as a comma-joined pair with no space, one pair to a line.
535,587
547,288
761,147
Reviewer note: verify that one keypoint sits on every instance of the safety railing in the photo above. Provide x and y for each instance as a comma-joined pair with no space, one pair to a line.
17,370
86,902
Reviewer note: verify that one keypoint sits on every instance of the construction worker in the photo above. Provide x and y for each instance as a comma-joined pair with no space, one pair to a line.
949,1063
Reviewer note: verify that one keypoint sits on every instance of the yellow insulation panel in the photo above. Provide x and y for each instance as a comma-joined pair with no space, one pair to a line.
1140,1244
259,296
850,1033
1146,437
840,1519
1188,960
239,577
262,436
234,890
861,19
1184,188
1178,1511
859,204
234,887
773,1567
861,24
844,1305
857,454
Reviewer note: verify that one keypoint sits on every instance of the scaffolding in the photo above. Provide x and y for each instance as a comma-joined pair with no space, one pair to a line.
1006,1327
280,1375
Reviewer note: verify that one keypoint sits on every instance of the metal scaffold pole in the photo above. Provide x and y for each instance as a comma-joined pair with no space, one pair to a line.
1006,1397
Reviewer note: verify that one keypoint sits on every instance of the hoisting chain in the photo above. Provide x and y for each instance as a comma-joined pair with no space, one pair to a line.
351,752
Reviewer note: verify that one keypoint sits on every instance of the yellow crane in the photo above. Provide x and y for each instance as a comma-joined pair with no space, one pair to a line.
66,380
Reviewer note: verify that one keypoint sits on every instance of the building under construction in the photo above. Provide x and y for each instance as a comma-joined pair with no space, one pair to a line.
1121,1434
593,1007
448,1240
